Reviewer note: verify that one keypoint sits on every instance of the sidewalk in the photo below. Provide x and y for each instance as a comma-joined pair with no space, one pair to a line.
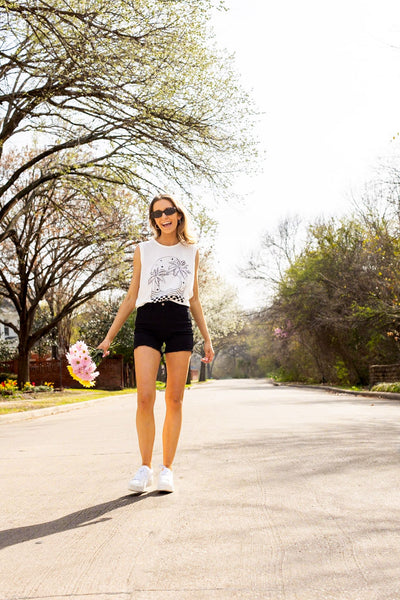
52,410
337,390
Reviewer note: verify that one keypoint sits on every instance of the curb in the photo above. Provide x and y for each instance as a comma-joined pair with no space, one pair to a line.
335,390
35,413
53,410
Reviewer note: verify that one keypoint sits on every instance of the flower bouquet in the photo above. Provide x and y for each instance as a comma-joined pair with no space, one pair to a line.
83,362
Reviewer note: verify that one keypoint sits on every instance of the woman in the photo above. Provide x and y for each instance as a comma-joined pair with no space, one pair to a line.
164,287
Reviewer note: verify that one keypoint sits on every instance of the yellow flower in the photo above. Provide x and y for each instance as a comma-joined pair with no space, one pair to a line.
83,382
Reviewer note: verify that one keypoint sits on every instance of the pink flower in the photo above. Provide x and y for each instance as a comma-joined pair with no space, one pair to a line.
83,363
79,347
279,333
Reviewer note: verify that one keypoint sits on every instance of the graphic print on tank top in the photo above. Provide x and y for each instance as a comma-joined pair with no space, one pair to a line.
168,278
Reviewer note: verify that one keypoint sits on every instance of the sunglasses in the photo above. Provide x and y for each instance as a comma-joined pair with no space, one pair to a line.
156,214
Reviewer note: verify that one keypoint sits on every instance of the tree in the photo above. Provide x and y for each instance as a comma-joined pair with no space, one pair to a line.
222,310
148,95
63,250
334,305
278,249
339,300
95,320
7,352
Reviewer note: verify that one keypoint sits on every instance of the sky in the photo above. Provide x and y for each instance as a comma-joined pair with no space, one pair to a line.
326,78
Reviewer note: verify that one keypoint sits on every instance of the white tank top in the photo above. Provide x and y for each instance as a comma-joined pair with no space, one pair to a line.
167,272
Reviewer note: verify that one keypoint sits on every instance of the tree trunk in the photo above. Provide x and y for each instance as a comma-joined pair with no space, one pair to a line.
23,367
202,375
23,352
211,365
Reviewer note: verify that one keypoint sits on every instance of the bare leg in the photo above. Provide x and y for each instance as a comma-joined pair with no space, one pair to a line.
177,368
147,361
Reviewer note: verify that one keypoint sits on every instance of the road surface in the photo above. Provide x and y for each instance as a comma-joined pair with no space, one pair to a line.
282,494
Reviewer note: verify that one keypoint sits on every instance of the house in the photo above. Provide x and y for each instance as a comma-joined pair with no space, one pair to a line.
8,314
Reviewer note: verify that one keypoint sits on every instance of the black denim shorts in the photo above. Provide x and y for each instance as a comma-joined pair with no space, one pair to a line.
159,322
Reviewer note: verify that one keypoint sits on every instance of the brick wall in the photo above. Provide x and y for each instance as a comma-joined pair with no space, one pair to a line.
384,374
111,373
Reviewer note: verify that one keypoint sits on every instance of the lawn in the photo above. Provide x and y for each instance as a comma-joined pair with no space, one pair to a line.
23,402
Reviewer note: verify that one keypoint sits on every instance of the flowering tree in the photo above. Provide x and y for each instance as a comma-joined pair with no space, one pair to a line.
67,245
222,310
95,319
129,79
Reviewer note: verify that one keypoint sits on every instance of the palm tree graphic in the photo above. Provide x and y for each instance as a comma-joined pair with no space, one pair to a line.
168,277
157,276
179,268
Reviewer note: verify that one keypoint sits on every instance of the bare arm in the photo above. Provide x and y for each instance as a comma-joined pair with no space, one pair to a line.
198,315
127,306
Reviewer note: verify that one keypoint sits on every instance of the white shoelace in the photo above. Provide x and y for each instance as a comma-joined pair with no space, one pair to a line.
165,470
142,472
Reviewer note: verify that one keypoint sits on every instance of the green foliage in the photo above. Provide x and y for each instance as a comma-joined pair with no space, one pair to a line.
8,388
387,387
337,302
31,387
342,372
7,351
124,339
336,308
43,388
42,318
95,321
4,376
283,374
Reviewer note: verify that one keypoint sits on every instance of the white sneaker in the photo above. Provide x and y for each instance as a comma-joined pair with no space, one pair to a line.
165,480
141,480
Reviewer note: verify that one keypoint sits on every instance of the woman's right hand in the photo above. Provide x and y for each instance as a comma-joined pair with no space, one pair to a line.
105,345
208,351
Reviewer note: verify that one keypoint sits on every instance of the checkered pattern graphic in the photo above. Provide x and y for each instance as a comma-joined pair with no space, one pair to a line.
173,298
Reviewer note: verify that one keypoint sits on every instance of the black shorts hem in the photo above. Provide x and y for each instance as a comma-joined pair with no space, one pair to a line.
167,351
148,346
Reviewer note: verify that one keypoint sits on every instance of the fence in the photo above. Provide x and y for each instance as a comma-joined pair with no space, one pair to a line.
113,374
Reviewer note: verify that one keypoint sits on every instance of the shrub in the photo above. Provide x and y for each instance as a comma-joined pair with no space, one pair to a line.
283,374
5,376
29,387
8,387
342,372
387,387
48,386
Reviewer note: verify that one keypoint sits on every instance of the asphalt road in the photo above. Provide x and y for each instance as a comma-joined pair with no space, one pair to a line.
281,494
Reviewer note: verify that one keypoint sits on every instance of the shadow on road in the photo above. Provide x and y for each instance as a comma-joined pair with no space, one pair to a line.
80,518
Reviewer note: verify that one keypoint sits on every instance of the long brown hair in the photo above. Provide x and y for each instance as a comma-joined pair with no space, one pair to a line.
183,231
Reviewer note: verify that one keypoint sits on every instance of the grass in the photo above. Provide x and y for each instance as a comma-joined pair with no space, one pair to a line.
353,388
32,401
24,402
387,387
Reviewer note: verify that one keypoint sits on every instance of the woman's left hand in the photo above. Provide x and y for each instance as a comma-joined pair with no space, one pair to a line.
208,351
